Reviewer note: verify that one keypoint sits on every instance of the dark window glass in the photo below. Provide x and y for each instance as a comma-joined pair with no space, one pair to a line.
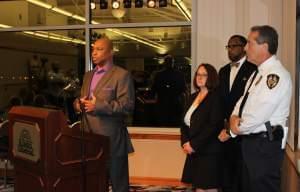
160,88
41,68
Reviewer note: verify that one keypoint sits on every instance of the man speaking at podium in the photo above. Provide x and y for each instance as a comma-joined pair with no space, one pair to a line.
107,96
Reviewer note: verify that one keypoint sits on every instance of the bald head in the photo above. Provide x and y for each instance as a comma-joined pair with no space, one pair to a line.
102,51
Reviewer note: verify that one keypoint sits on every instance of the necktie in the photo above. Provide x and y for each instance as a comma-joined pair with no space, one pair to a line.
234,64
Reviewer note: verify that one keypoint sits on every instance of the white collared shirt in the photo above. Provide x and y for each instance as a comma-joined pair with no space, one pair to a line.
265,103
234,71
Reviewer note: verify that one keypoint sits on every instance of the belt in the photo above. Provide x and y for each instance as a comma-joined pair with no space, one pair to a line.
263,134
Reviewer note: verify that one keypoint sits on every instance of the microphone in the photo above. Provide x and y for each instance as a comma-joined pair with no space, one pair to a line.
73,84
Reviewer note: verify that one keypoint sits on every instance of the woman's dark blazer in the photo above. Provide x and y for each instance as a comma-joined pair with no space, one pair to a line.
206,124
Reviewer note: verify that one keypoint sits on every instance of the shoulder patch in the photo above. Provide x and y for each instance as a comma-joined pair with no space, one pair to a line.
272,80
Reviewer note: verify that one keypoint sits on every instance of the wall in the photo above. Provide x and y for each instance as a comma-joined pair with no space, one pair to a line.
288,57
157,156
217,20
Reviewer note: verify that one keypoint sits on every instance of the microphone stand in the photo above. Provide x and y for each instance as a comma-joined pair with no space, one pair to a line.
82,145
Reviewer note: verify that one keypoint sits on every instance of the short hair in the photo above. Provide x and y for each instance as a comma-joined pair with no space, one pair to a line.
269,35
241,38
103,36
212,81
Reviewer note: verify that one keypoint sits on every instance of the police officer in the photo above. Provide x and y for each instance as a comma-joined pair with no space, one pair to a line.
261,114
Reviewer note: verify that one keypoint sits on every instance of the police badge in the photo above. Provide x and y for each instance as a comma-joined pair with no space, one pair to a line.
272,80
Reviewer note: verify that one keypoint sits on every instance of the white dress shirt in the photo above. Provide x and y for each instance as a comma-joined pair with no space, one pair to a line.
234,71
188,115
265,103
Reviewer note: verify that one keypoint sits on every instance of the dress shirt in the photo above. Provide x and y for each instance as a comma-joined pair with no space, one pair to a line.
234,70
266,103
97,75
188,115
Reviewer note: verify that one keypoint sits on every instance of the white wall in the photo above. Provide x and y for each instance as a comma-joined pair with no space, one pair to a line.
156,158
217,20
288,57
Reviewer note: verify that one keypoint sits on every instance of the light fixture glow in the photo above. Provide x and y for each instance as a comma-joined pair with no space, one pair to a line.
78,17
115,4
184,10
138,3
61,11
93,5
5,26
40,3
151,3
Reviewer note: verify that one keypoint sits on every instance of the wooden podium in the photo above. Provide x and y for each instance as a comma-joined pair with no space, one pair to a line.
47,153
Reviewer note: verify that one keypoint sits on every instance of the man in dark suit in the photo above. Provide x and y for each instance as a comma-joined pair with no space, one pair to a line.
233,78
107,94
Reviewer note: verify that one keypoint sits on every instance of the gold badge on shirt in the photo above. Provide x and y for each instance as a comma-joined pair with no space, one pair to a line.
272,80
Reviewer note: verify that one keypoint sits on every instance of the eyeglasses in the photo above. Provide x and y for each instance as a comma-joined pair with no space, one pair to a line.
233,46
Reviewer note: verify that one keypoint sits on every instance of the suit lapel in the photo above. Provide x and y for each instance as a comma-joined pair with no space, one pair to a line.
240,76
88,84
227,79
108,75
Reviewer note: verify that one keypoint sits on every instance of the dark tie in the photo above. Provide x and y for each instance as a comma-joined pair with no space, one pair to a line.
246,95
234,64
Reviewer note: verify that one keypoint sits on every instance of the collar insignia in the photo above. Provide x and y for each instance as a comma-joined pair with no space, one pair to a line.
258,80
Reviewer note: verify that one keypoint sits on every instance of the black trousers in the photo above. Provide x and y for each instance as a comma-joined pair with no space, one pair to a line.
262,163
118,173
232,166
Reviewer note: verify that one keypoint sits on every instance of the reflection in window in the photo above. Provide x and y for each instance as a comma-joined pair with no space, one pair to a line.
160,86
16,13
41,69
45,68
140,12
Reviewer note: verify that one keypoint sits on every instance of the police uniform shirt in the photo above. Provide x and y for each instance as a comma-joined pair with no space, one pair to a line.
269,98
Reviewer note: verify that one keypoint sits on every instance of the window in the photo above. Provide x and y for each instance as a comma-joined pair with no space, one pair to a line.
45,43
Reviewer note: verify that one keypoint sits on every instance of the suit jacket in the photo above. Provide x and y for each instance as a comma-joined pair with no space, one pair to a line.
230,97
206,124
114,101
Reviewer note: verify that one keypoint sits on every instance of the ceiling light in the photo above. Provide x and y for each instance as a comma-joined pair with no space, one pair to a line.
138,3
151,3
5,26
93,5
103,4
161,48
184,10
115,4
163,3
127,3
40,3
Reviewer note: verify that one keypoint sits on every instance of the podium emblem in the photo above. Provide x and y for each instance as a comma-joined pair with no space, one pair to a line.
26,144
